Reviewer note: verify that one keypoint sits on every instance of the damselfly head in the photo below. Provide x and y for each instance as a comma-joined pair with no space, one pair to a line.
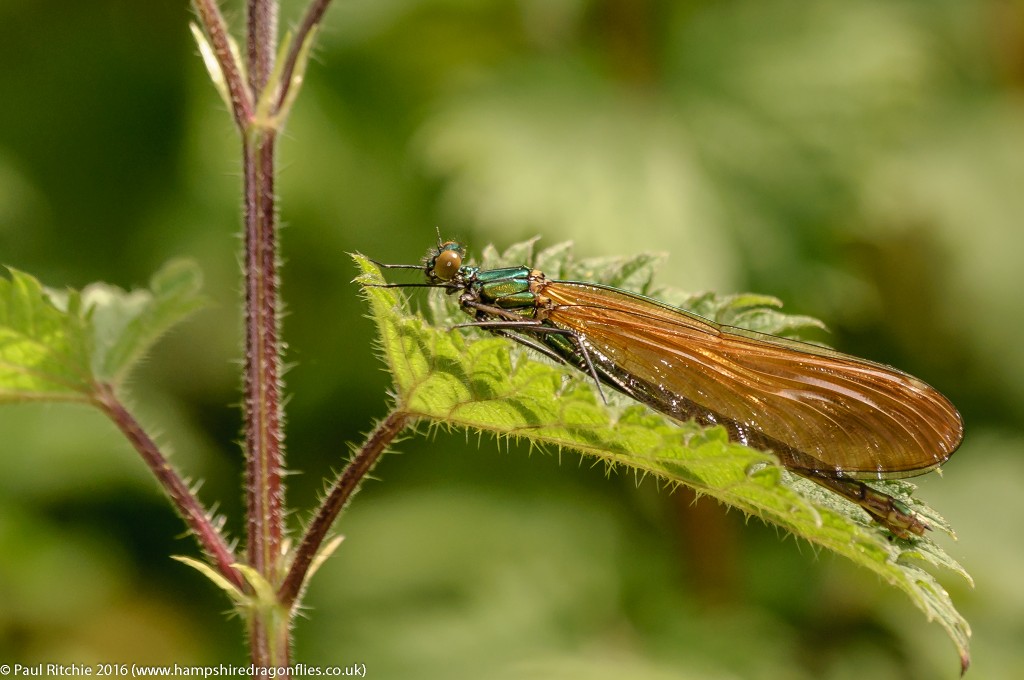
440,266
444,264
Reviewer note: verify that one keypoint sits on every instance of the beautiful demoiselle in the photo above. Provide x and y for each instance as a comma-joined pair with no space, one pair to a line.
830,417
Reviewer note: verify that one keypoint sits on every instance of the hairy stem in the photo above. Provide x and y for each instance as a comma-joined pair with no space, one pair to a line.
261,43
311,19
195,515
339,495
216,29
264,435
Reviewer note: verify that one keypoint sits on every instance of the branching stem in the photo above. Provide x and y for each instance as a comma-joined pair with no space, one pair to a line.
264,434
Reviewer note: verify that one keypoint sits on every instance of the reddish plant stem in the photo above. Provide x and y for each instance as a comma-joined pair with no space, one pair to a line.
195,515
264,435
314,14
346,485
261,43
216,29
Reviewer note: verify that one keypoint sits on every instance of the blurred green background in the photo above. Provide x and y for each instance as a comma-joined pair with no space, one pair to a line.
863,161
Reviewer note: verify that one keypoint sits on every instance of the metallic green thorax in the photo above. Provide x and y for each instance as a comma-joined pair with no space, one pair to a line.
511,288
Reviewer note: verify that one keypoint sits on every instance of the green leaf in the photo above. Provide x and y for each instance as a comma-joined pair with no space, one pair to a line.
45,343
126,325
56,345
469,380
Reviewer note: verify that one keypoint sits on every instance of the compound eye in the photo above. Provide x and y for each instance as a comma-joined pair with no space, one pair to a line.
447,264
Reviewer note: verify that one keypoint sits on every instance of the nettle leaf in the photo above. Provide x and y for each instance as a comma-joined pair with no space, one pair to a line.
127,324
45,342
468,379
57,345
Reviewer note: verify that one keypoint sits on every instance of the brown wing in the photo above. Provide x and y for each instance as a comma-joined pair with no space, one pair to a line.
822,411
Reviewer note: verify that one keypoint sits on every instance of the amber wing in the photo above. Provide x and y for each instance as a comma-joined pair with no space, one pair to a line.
825,413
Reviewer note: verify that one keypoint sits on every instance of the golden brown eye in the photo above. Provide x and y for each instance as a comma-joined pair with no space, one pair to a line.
447,263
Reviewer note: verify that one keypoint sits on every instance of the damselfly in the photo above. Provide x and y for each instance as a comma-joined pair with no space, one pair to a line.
833,418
